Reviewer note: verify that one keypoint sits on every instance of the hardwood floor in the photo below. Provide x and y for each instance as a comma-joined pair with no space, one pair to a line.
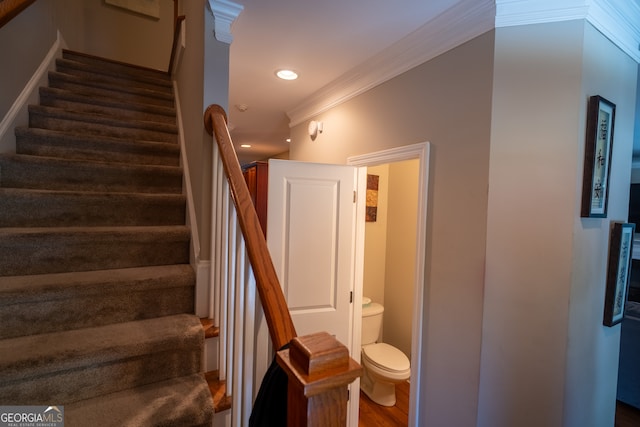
626,415
374,415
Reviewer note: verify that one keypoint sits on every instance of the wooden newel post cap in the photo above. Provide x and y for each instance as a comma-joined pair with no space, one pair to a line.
319,361
319,370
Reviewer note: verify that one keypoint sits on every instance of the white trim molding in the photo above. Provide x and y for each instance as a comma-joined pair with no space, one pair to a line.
225,12
18,113
421,152
459,24
618,20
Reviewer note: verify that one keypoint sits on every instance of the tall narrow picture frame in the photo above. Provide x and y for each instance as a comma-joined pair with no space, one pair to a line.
597,157
618,272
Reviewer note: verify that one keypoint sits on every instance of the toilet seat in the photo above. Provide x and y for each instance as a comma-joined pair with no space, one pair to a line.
386,358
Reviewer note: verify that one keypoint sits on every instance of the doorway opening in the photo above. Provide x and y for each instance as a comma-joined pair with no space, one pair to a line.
419,152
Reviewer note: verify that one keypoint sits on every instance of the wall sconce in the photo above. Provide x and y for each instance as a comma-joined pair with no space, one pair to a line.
314,129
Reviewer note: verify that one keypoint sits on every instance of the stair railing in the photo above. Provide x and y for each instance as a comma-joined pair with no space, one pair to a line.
9,9
318,366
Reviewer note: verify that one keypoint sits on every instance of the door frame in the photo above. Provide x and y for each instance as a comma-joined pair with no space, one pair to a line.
420,151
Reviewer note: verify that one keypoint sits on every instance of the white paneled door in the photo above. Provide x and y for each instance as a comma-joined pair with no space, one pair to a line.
311,223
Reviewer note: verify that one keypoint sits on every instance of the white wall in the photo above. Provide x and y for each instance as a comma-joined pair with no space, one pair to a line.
401,254
448,103
593,349
203,79
546,358
375,245
22,51
105,30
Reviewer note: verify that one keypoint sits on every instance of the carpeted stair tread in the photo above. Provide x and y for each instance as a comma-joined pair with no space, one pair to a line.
44,303
92,124
122,76
71,101
184,401
96,287
48,173
51,208
43,250
61,286
122,82
100,360
52,143
117,66
90,88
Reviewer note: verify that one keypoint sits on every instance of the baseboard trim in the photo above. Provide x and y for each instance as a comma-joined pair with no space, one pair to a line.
18,113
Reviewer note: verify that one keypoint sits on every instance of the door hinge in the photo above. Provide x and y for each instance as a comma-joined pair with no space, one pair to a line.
355,196
351,297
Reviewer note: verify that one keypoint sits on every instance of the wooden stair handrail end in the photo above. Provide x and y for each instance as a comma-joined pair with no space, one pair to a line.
9,9
281,328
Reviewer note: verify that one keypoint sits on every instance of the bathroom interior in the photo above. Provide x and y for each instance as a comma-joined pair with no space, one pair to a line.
390,263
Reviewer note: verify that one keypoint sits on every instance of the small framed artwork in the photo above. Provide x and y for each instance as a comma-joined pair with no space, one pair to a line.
372,198
597,157
618,272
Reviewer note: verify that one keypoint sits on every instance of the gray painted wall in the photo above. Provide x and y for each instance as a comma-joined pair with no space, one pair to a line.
446,101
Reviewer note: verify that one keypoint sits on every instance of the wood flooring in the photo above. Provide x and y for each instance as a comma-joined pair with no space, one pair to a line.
626,415
374,415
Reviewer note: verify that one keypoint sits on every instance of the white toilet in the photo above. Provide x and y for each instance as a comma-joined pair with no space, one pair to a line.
384,365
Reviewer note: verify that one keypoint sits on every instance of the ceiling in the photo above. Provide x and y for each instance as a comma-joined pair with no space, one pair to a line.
334,43
320,40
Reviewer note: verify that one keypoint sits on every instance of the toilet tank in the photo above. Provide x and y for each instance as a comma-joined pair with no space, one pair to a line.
371,322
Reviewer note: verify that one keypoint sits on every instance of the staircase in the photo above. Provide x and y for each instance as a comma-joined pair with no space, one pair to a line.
96,290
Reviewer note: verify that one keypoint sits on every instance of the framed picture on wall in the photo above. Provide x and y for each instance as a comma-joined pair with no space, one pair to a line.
597,157
618,272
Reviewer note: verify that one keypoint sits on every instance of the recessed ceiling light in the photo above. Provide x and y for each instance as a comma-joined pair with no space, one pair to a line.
245,145
288,139
287,74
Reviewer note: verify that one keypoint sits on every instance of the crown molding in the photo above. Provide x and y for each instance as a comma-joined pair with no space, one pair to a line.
511,13
463,22
225,12
618,20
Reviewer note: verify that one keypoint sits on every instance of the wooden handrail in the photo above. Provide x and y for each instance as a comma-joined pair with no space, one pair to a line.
176,7
9,9
318,367
275,308
176,36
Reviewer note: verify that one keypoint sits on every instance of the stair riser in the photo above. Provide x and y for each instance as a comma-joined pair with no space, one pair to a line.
40,253
131,74
88,177
61,81
44,121
121,81
94,380
86,107
82,210
167,113
37,142
105,308
115,66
